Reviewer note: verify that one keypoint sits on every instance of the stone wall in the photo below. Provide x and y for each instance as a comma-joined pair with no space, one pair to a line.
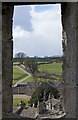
70,66
27,89
69,58
7,100
76,59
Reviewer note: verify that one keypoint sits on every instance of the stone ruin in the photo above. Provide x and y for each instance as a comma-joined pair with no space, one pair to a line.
51,108
69,12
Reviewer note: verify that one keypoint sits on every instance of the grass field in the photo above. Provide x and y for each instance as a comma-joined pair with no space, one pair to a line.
55,68
16,63
17,74
51,68
17,101
31,79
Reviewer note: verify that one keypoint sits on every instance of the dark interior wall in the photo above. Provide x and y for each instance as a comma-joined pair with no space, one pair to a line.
7,51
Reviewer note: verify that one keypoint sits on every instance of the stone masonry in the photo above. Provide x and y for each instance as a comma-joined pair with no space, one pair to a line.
69,61
7,99
70,58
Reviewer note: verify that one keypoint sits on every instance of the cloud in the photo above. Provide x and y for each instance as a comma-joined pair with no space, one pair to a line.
23,17
46,36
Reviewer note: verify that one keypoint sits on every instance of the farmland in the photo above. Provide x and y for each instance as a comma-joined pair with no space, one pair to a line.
31,79
51,68
54,68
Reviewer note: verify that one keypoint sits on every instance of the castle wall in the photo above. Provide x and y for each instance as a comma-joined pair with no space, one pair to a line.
69,58
7,53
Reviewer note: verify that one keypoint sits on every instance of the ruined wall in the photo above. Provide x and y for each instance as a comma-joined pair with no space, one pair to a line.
23,90
76,59
7,12
26,89
69,58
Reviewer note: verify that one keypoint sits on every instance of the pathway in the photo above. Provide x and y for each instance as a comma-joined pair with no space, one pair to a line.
25,72
21,96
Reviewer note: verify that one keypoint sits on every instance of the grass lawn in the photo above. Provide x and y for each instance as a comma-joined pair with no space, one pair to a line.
55,68
17,101
51,68
16,63
31,79
18,74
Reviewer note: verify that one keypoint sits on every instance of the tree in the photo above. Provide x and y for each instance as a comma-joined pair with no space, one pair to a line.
38,94
31,66
20,55
35,56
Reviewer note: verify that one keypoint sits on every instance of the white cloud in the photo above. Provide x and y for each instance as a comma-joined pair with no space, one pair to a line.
23,17
45,39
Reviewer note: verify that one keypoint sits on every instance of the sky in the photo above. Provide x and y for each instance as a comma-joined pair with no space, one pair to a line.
37,30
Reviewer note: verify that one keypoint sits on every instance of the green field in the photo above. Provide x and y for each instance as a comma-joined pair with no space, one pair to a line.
51,68
31,79
17,74
55,68
16,63
17,101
